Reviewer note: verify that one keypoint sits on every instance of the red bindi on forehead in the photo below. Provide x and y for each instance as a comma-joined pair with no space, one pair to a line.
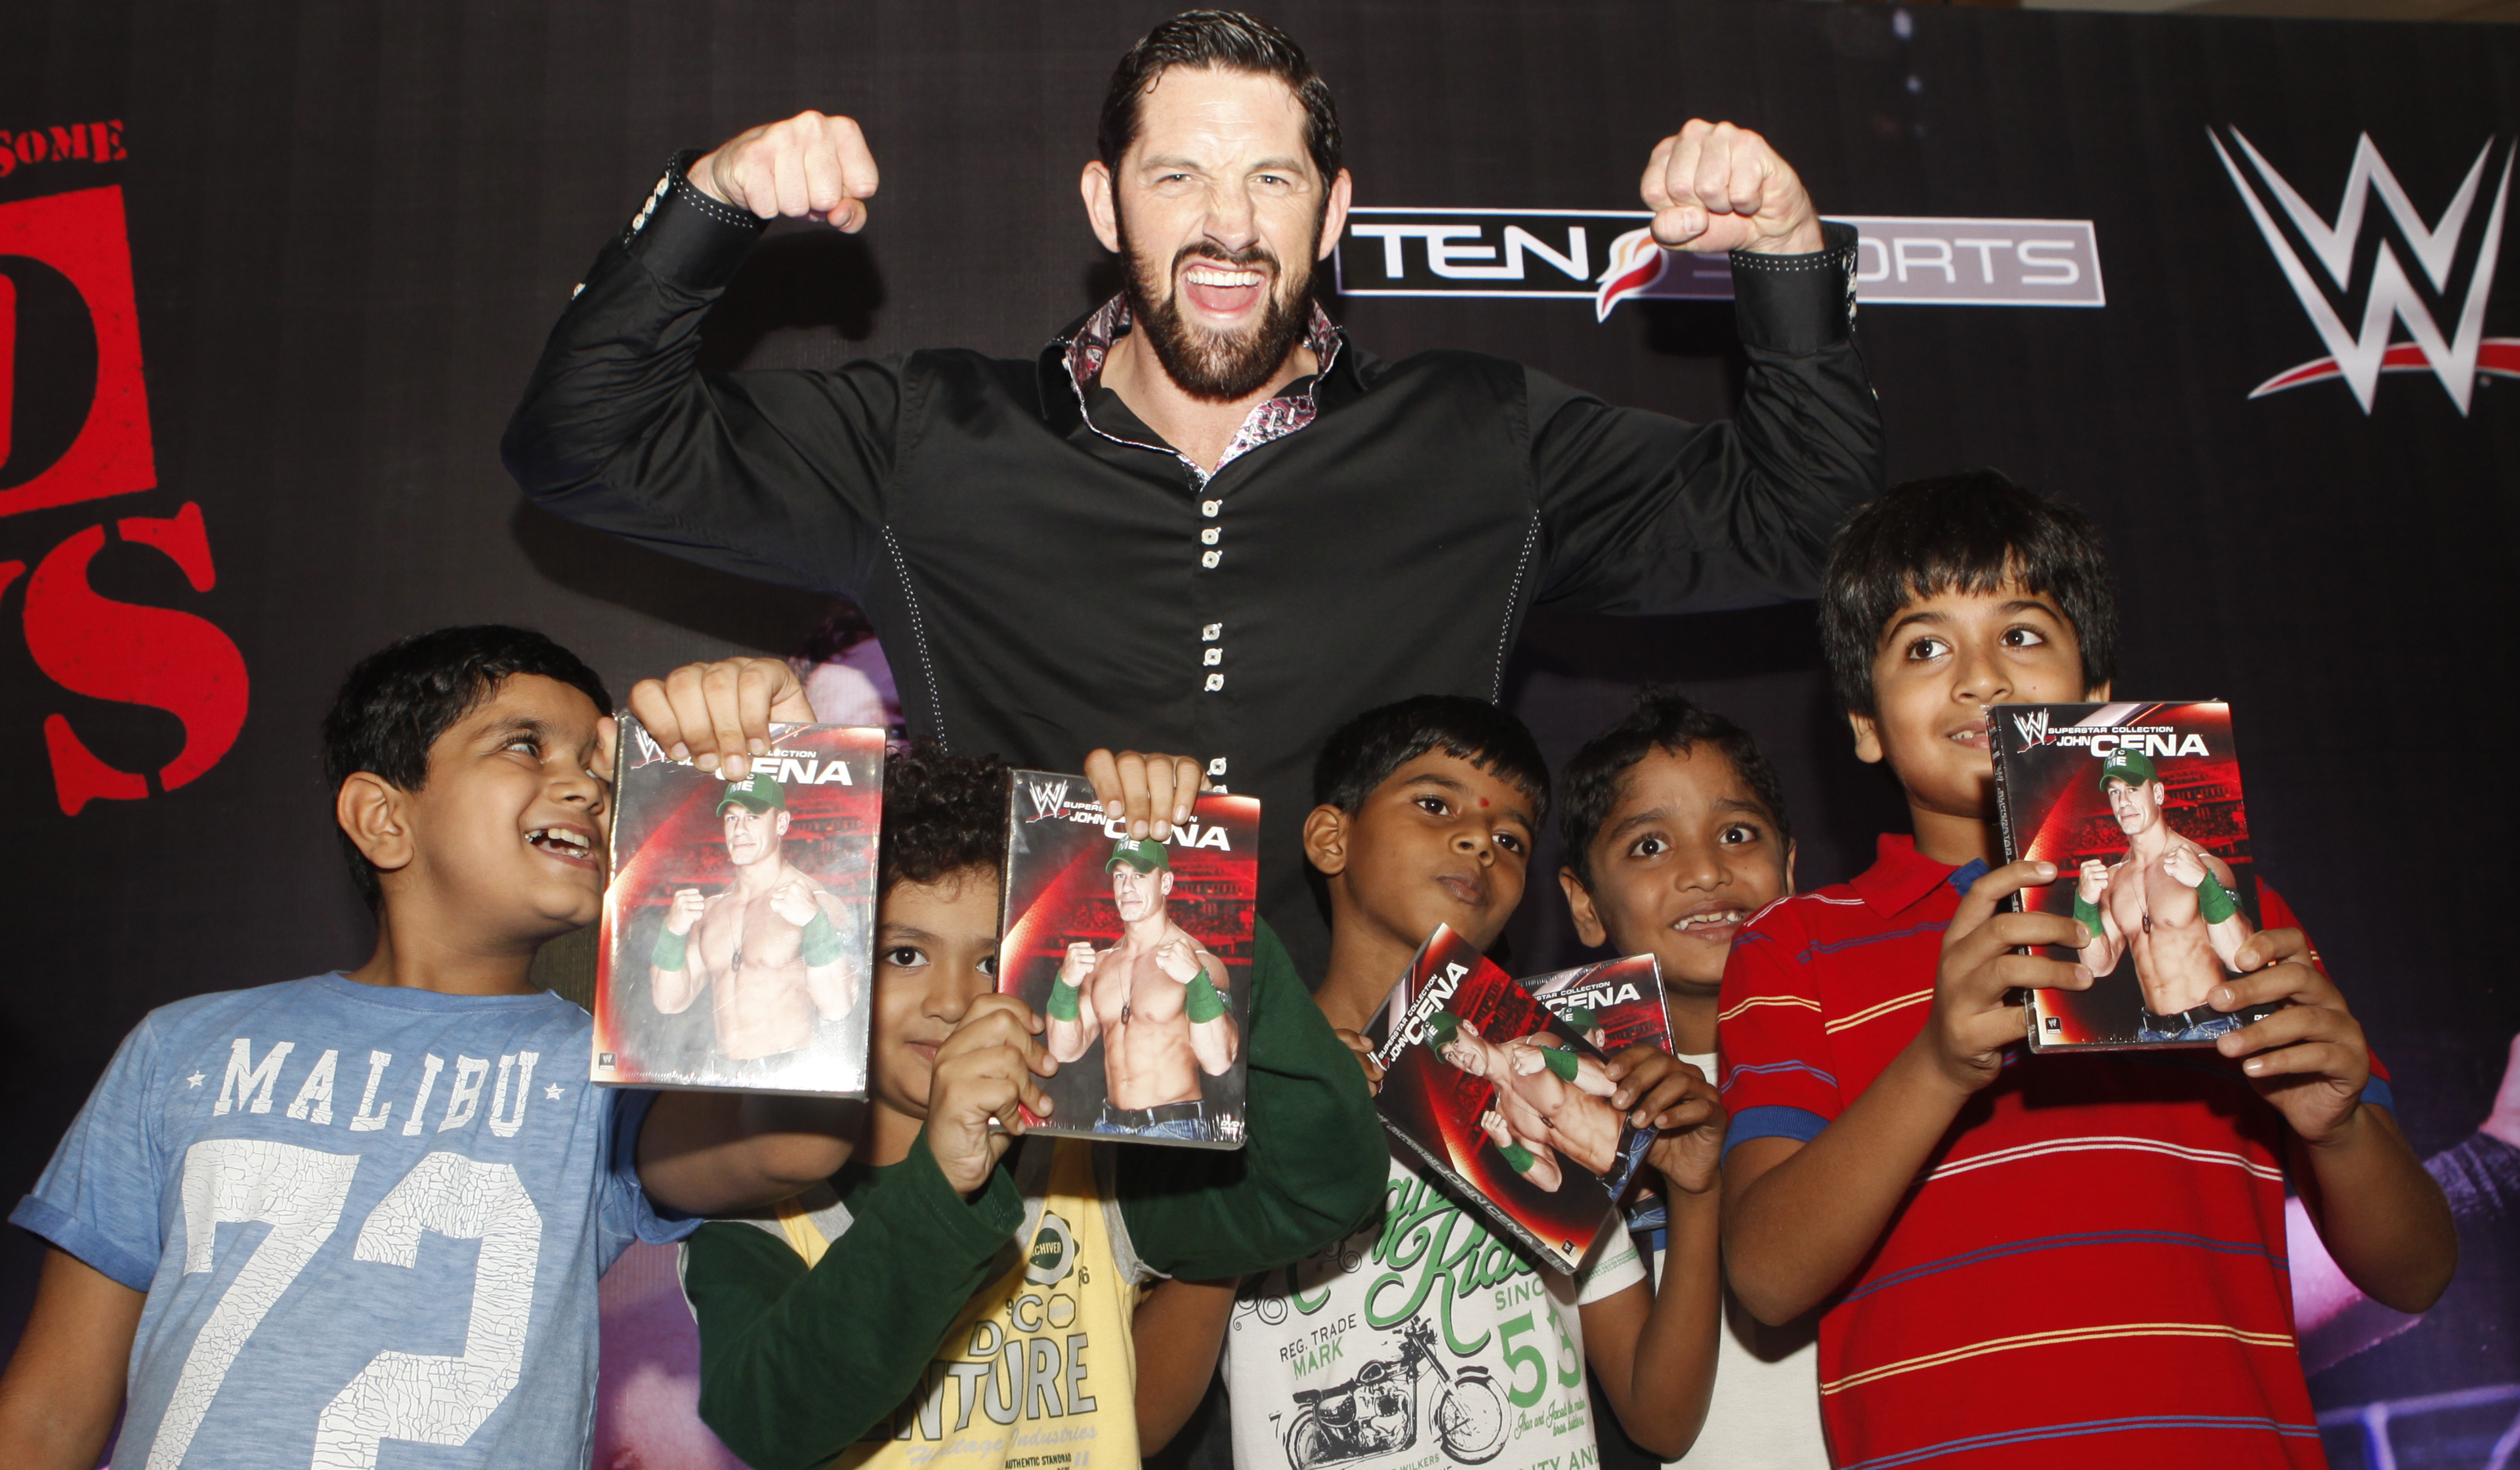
1483,801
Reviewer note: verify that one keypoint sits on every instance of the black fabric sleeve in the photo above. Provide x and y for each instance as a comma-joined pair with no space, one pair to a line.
1645,514
2480,1179
775,475
1313,1166
795,1365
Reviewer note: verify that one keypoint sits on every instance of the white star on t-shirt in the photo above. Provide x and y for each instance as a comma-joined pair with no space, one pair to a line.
195,1080
552,1091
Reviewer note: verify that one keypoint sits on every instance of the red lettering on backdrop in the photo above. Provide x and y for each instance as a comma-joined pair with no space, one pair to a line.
85,642
80,233
156,657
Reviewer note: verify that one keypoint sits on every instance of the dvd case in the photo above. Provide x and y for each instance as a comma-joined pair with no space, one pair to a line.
1613,1004
2140,807
1506,1101
737,942
1137,953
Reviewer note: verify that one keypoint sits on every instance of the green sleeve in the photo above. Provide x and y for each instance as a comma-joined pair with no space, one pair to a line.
1312,1165
795,1365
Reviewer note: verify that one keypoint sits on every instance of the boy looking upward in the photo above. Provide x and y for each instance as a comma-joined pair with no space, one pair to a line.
2029,1260
1425,814
956,1293
310,1218
1676,837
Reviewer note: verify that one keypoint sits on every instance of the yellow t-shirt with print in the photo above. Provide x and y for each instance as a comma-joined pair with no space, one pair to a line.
1039,1370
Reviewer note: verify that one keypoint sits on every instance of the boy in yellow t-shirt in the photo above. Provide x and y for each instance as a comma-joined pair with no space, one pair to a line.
956,1292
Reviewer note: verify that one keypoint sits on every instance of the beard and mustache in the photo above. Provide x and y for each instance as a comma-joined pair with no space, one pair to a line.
1219,367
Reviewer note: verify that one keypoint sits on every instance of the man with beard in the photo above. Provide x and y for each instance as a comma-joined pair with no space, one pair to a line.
1155,1000
1201,520
769,947
1548,1101
2170,901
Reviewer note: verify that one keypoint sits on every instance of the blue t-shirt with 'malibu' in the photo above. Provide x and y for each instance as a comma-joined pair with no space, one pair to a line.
369,1220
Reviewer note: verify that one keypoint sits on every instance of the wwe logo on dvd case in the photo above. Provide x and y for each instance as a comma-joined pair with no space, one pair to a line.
737,944
2139,807
1137,954
1507,1101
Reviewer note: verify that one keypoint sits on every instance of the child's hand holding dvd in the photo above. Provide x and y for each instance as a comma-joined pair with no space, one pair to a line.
2309,1059
1973,1019
1662,1093
984,1073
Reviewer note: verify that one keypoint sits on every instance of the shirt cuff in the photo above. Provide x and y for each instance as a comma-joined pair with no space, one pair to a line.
1801,1125
1797,304
978,1225
61,1229
2377,1092
686,237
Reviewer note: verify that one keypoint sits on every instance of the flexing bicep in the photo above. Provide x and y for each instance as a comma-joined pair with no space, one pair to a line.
64,1386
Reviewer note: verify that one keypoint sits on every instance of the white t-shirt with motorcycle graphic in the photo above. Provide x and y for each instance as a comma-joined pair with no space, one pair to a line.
1423,1340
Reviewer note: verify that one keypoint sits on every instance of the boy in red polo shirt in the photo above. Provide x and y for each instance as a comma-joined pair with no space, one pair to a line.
2059,1260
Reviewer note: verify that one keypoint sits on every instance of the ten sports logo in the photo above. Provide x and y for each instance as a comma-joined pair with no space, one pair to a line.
2389,294
1606,256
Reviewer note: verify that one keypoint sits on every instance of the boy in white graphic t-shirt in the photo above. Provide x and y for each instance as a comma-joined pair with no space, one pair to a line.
1674,836
1428,1332
308,1220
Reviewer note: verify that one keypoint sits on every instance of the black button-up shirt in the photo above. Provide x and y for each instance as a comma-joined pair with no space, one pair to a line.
1045,584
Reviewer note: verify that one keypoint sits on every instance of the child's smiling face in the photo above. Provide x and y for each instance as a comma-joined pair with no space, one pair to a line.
1683,857
1941,660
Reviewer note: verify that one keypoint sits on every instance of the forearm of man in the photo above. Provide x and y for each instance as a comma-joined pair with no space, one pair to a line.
795,1365
674,991
828,985
1066,1040
2382,1217
1214,1044
1656,1361
767,474
1798,1217
1312,1165
2226,938
1542,1169
1179,1329
715,1153
64,1385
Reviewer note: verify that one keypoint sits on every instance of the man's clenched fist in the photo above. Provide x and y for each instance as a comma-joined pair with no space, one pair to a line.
685,910
807,167
1716,187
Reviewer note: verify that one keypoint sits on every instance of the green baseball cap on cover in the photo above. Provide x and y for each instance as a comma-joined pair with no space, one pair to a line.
1441,1028
1143,854
760,793
2133,767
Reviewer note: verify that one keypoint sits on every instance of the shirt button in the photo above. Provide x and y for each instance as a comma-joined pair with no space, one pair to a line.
1215,682
1210,558
1208,537
1210,507
1211,633
1216,767
1214,657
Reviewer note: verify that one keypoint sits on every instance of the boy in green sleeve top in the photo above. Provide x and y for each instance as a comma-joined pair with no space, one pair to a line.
956,1291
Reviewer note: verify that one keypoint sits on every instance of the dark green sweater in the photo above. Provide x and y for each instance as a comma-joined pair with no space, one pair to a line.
795,1365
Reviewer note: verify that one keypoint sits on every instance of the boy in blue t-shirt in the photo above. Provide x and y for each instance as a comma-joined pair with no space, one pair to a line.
302,1221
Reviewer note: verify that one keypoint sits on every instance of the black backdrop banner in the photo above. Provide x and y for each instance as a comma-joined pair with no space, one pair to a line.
272,276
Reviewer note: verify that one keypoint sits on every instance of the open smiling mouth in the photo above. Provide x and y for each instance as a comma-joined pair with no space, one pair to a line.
1223,289
565,843
1712,920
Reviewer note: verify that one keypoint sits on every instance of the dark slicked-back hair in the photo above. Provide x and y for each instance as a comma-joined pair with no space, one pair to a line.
942,814
1663,720
1362,754
398,700
1221,40
1964,533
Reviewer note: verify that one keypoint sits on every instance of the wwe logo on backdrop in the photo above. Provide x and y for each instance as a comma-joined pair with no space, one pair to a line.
1049,798
2390,295
2032,728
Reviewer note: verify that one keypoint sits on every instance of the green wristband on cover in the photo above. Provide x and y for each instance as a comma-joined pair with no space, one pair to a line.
1202,1003
1517,1156
2213,901
821,944
1062,1002
668,952
1560,1061
2088,915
